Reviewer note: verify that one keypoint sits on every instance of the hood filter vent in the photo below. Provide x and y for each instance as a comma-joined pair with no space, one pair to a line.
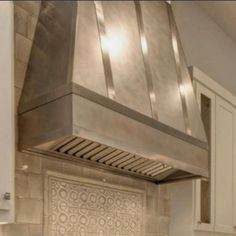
110,157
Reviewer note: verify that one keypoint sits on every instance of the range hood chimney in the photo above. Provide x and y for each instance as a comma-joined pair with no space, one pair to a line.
107,85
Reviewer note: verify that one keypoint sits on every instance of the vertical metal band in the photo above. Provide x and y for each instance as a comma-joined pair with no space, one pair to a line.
175,46
144,47
72,40
105,49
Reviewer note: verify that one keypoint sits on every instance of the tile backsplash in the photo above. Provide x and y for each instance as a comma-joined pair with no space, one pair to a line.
79,206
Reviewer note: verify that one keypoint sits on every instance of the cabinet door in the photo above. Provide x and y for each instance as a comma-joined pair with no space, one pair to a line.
204,189
225,137
7,142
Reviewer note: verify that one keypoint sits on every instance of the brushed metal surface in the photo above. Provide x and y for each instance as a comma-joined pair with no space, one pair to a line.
88,70
162,64
117,107
128,135
195,124
72,115
105,50
182,85
52,50
144,46
126,55
36,126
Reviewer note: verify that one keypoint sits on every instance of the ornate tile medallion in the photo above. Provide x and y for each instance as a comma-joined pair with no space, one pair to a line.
81,207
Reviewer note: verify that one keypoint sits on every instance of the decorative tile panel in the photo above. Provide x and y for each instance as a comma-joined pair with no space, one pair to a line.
81,207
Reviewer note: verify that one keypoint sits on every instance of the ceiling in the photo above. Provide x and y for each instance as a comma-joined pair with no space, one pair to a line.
223,13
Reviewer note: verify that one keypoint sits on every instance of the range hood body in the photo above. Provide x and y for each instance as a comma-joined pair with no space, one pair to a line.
104,86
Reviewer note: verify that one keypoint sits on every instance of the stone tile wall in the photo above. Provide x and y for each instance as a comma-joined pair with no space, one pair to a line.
86,207
30,169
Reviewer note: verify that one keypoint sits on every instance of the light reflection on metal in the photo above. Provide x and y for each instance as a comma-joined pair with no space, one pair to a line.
182,86
116,42
182,89
105,50
144,46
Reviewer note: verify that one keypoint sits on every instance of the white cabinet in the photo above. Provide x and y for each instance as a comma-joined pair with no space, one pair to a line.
212,208
222,142
7,141
224,166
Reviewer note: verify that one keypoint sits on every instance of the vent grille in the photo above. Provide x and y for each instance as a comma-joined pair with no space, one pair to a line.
111,157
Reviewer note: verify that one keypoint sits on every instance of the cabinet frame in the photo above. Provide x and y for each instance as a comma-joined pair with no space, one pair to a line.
205,85
198,225
7,114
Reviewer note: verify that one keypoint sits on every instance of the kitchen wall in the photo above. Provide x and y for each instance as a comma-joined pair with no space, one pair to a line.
205,44
30,170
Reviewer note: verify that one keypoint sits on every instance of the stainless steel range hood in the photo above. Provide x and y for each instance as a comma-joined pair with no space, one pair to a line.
107,85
